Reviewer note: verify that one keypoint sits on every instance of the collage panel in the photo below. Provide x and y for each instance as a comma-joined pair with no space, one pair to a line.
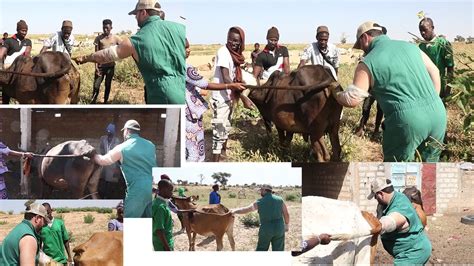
227,208
383,213
69,232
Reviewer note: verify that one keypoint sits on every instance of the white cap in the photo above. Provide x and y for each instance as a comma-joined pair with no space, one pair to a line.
131,124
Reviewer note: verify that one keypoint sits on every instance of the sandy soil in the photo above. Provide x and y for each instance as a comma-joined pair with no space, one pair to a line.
452,241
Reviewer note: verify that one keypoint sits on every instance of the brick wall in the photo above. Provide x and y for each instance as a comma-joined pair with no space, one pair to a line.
10,123
446,187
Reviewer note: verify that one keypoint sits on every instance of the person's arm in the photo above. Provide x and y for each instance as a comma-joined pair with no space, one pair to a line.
286,65
394,222
96,49
286,216
432,71
305,56
313,241
358,91
110,158
68,250
48,43
221,86
28,248
161,235
302,63
28,48
114,53
21,154
3,53
258,66
336,63
225,75
252,207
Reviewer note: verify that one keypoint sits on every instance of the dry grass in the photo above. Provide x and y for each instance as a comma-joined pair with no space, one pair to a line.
245,238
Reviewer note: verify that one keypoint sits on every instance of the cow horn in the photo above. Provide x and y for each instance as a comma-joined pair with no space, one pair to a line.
41,75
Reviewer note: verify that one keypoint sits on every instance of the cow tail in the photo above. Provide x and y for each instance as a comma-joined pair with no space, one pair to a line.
27,166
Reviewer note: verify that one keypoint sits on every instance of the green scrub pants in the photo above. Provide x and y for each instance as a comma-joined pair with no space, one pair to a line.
415,127
273,233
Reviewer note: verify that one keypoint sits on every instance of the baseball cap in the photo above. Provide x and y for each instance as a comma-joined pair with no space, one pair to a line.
38,209
363,28
377,185
144,5
131,124
67,23
322,29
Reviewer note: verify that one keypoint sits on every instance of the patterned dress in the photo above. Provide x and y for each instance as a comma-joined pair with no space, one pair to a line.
4,151
195,108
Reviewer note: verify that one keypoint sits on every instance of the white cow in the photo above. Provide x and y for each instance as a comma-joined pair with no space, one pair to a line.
334,217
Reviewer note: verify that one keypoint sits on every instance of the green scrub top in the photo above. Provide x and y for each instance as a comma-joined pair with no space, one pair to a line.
53,239
10,249
138,159
415,118
272,224
162,220
439,50
160,46
413,246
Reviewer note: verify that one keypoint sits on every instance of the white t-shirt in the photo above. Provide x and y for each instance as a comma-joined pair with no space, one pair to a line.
223,59
56,42
115,225
312,52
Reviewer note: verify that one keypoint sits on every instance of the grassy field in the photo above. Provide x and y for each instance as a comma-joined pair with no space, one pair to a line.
245,237
79,230
249,141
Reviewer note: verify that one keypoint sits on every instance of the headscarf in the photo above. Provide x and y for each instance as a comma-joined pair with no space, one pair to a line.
237,57
273,33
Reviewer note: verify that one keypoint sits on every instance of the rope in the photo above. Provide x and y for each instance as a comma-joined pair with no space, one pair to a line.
59,156
89,195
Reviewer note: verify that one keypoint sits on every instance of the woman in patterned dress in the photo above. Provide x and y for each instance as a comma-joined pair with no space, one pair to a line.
196,105
4,152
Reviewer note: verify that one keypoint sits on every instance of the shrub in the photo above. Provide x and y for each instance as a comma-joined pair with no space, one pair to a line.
232,195
250,220
292,197
10,212
3,222
88,219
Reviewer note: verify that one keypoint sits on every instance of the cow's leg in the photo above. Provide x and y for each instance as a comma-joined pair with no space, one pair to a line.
378,119
219,241
316,144
193,242
335,142
46,190
281,136
93,184
365,115
230,235
324,150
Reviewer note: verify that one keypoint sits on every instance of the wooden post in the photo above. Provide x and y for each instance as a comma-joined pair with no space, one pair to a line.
25,129
171,136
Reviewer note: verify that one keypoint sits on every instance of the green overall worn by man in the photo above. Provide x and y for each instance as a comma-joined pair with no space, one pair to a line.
158,49
274,219
439,50
406,84
22,245
137,157
162,220
55,238
402,234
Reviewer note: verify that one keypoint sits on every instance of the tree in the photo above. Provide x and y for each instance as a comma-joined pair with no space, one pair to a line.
343,38
179,181
459,38
222,178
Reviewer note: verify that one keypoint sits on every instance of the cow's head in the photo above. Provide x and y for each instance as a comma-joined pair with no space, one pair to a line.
184,203
83,148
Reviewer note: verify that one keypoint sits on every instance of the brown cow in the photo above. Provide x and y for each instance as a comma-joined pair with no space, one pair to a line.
305,106
102,249
214,219
49,78
414,195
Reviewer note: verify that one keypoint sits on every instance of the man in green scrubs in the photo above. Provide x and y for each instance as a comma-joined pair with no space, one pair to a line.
274,219
137,157
402,235
162,220
158,48
55,238
406,84
439,50
21,246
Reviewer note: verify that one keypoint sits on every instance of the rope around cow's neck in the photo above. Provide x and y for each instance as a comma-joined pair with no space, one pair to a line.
61,156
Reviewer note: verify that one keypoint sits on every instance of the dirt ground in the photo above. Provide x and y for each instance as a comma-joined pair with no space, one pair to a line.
79,232
452,241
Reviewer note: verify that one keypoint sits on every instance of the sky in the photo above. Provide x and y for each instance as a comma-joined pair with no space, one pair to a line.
207,21
275,174
18,206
